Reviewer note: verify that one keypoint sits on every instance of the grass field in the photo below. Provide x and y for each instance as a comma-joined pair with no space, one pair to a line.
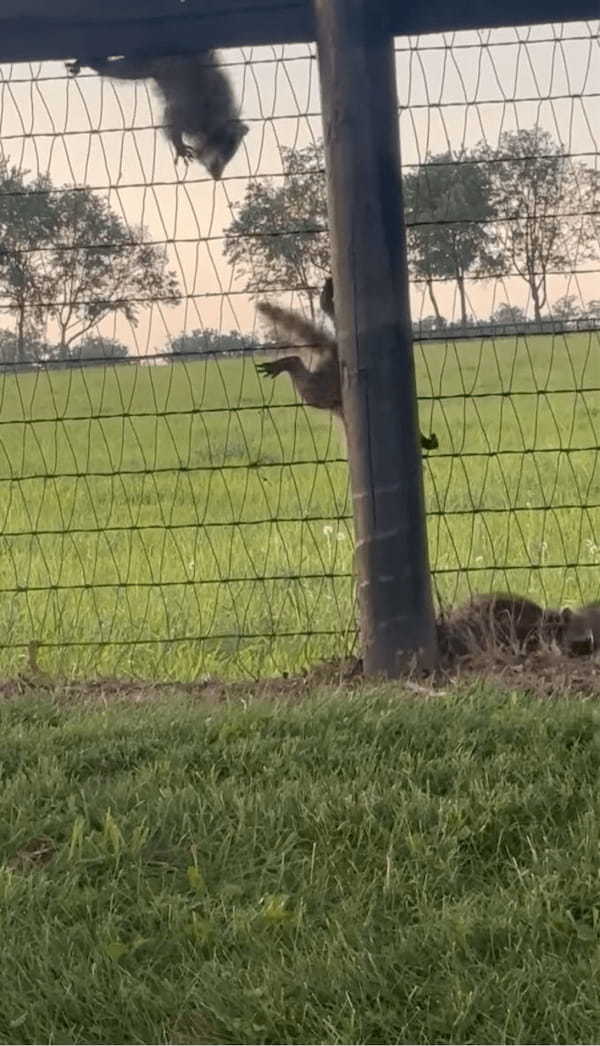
179,519
367,869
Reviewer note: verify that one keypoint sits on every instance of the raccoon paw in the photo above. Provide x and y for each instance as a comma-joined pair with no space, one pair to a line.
73,68
430,442
266,370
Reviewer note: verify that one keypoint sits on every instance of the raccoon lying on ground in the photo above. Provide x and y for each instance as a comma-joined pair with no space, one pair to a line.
197,99
319,387
499,620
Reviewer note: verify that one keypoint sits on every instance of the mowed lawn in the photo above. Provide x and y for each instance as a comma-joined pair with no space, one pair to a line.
366,869
190,519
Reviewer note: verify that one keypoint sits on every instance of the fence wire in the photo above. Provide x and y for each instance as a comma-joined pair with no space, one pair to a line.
166,512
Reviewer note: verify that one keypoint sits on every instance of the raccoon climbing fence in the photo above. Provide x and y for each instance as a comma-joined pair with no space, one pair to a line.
169,513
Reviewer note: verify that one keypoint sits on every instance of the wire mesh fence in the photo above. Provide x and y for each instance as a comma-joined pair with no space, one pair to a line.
168,513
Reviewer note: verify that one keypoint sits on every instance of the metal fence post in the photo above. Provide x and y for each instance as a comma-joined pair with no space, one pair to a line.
370,272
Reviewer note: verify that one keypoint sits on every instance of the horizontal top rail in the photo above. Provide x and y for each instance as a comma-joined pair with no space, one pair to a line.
33,30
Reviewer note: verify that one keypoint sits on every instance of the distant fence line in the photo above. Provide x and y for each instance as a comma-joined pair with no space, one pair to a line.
583,325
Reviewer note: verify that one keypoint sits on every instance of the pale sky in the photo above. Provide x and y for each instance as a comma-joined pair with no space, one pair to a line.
453,90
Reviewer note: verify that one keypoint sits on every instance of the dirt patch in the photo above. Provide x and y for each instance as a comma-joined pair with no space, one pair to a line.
332,674
542,673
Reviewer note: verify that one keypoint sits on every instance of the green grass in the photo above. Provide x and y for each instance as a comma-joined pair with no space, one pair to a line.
183,547
372,869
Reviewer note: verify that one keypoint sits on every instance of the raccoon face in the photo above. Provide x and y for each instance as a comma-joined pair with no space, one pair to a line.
220,149
577,636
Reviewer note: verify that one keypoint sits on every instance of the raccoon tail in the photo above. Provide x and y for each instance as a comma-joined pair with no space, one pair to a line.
299,332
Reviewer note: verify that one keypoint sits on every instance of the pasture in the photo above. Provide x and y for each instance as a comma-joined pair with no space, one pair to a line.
190,519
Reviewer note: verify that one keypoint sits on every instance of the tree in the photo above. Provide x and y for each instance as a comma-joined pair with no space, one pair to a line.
99,267
65,256
94,350
200,342
26,228
448,214
508,316
567,308
277,239
430,325
540,199
21,349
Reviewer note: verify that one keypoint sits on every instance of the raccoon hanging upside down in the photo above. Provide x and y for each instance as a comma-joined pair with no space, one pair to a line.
197,99
320,387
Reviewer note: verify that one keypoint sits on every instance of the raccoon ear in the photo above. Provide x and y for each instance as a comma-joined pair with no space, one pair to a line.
566,614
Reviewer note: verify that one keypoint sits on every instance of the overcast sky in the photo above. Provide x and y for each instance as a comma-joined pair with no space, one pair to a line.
453,91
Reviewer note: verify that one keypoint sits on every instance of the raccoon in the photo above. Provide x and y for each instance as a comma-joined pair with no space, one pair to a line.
501,621
197,99
320,387
582,630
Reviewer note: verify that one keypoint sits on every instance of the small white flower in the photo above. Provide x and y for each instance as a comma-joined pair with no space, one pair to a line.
327,530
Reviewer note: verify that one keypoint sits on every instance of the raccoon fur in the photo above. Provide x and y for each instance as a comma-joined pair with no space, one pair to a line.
582,630
321,386
197,99
499,621
326,299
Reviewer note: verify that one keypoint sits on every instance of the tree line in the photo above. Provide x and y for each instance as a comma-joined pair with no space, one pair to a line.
68,258
524,210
